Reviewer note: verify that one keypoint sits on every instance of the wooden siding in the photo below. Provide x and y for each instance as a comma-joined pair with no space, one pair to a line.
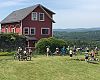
10,26
28,22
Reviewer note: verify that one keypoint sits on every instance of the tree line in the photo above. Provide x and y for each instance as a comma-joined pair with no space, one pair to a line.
89,38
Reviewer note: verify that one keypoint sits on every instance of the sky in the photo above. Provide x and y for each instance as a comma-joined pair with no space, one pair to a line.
69,13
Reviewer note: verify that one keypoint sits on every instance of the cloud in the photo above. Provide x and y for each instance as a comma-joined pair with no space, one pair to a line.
77,18
8,3
78,13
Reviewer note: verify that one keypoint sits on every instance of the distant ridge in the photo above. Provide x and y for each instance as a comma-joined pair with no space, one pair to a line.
77,30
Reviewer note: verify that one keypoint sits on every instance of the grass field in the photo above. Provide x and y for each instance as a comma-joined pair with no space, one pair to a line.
48,68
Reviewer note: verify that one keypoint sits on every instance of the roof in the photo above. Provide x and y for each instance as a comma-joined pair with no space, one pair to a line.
18,15
31,38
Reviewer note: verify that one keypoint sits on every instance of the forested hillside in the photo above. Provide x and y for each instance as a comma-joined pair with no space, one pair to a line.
90,35
80,39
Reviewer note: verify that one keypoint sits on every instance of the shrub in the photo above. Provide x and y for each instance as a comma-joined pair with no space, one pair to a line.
52,42
41,45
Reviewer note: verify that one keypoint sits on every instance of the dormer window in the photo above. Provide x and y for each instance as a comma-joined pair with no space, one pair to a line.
41,16
34,16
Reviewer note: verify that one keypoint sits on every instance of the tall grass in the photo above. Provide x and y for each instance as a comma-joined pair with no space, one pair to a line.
48,68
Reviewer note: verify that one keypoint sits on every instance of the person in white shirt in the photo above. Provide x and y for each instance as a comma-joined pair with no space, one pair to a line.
71,53
48,50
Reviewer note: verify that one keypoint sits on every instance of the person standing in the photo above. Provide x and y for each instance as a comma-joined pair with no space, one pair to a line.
48,50
68,49
96,51
71,53
86,56
30,51
87,49
63,50
19,50
92,55
57,51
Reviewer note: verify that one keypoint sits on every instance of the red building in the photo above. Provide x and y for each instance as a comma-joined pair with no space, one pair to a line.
34,22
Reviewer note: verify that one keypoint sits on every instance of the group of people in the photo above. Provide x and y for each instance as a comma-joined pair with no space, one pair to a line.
57,51
62,51
89,55
20,50
23,53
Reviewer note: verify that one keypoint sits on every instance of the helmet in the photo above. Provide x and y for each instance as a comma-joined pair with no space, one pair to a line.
19,47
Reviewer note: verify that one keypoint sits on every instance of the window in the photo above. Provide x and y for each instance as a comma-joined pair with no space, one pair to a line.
34,16
13,30
41,16
17,25
45,31
32,31
6,30
26,31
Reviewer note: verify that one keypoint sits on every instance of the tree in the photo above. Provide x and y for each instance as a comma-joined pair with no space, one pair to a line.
11,41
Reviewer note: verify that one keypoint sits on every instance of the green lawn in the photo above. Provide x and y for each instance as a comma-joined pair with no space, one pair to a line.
48,68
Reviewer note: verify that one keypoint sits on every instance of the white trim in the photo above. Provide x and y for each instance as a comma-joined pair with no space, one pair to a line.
24,30
48,31
34,17
6,30
47,14
39,16
34,30
12,30
21,32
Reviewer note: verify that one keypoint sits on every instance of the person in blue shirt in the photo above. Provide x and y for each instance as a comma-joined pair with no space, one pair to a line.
63,50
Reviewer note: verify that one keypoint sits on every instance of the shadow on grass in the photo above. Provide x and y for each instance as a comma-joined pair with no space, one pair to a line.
78,59
93,62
